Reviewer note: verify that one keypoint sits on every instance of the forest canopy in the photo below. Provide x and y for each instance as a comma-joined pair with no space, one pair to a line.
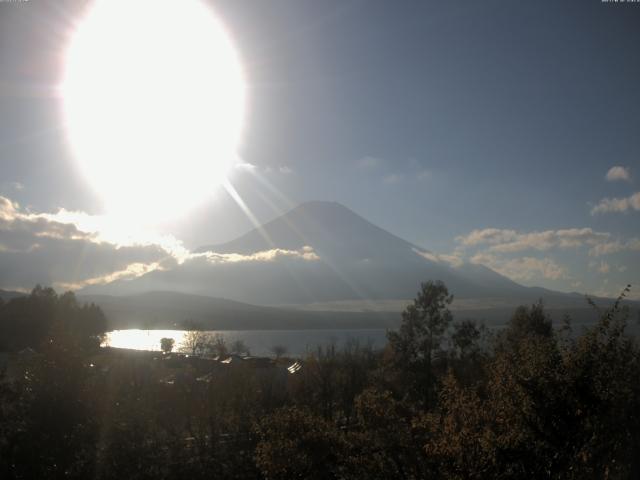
43,316
444,399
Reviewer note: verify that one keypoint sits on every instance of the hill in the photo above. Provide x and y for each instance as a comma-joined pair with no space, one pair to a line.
8,294
170,310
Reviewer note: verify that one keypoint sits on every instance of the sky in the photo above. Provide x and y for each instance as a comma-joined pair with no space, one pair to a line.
499,132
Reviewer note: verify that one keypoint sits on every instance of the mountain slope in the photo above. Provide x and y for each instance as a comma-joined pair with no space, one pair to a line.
334,231
371,261
352,259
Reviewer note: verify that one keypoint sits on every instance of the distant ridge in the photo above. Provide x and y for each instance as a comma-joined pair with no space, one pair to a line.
171,310
176,311
8,294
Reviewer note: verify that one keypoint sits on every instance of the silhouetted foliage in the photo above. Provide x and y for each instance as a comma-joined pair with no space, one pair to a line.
296,443
166,344
419,339
193,342
278,350
465,338
238,347
548,408
442,401
44,317
526,323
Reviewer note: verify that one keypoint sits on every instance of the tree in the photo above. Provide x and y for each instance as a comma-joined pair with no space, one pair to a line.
193,342
278,350
217,345
238,347
381,439
424,323
468,350
166,344
295,443
82,326
548,408
43,317
50,428
465,337
524,323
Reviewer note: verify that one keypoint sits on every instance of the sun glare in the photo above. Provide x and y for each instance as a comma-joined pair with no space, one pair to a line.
153,96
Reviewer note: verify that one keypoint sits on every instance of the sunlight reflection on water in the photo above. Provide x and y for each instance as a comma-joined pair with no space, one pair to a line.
260,342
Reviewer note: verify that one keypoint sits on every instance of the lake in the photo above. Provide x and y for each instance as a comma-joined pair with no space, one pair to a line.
297,342
260,342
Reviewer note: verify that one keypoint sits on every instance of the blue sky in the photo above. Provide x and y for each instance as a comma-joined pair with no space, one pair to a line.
435,120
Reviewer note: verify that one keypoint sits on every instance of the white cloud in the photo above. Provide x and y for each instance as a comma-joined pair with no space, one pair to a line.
253,168
615,246
619,205
618,173
75,250
602,267
510,241
614,291
497,249
606,248
305,253
489,236
52,249
524,268
8,209
131,271
453,260
268,169
246,166
81,225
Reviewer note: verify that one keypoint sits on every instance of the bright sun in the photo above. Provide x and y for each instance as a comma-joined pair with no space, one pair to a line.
153,101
